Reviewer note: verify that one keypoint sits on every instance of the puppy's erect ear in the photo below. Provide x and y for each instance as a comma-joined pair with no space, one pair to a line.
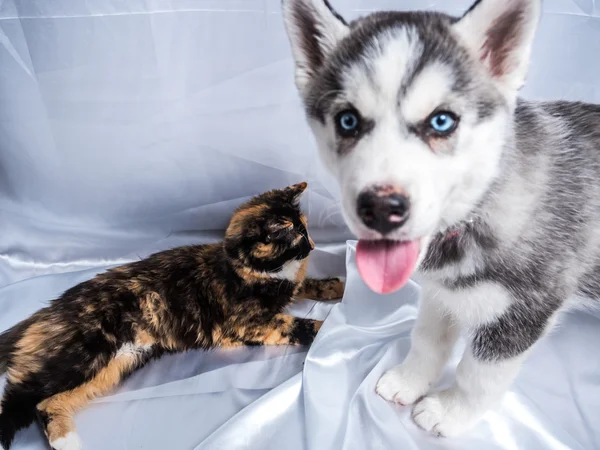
500,34
314,29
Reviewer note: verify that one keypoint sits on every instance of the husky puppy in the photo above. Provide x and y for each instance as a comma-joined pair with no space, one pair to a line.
442,168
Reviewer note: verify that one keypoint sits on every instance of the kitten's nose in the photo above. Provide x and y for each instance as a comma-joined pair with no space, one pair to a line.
383,208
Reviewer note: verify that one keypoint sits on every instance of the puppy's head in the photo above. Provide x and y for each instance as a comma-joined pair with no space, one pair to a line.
411,111
268,235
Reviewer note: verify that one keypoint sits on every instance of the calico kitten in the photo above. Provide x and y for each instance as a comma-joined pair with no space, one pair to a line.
204,296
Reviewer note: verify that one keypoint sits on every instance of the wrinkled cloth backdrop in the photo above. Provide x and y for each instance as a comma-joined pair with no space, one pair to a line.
132,126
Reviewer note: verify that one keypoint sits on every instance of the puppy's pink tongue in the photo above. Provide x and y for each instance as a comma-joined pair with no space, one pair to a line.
386,266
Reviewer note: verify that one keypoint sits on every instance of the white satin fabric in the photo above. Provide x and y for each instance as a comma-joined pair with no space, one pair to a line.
128,127
286,398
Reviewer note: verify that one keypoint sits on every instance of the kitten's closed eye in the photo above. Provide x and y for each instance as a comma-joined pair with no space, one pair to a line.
278,231
281,226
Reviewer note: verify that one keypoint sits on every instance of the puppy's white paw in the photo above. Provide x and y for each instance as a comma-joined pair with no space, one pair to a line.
445,414
70,442
402,385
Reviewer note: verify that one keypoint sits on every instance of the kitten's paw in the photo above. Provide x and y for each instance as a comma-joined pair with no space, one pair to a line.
402,385
444,414
334,289
70,442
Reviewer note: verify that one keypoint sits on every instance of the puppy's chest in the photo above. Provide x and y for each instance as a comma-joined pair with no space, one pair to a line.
454,275
457,253
471,307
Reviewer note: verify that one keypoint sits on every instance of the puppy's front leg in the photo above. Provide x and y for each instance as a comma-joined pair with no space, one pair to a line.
433,338
488,367
479,384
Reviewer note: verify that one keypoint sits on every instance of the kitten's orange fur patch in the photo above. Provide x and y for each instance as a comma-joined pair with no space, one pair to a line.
31,350
280,334
330,289
301,274
239,219
263,250
155,312
144,339
251,276
304,221
60,408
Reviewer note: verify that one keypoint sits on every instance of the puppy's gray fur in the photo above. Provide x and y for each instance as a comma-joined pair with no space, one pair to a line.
519,182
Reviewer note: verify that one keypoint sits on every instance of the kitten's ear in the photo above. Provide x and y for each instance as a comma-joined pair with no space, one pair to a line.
500,34
295,192
314,29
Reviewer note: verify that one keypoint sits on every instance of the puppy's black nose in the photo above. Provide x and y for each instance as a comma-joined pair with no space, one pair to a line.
383,209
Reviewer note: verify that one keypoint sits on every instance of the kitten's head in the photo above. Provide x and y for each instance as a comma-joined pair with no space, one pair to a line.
269,234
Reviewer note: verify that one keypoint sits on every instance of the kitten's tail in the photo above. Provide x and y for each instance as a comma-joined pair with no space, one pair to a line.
18,411
18,407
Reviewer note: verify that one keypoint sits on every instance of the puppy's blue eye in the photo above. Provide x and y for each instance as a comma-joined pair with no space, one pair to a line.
443,122
348,123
